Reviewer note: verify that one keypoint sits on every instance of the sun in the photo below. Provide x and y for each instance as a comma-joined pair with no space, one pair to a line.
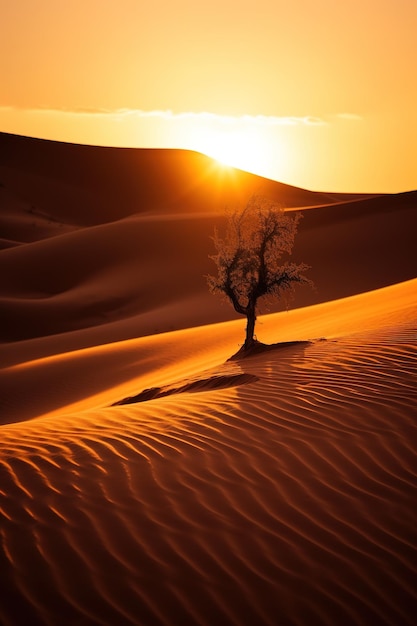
241,148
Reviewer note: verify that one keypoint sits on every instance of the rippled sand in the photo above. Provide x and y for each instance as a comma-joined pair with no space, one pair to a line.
289,499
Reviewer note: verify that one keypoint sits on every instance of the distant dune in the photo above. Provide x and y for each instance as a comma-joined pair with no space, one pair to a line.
280,489
122,234
87,185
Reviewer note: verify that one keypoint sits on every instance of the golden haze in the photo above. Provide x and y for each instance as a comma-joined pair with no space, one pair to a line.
100,73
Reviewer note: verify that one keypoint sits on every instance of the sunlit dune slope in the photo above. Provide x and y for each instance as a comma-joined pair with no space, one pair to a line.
127,254
287,499
56,377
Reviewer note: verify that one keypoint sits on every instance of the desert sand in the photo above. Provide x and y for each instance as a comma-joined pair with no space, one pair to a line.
278,489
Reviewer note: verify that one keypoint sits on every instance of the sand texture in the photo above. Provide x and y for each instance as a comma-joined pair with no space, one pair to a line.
147,480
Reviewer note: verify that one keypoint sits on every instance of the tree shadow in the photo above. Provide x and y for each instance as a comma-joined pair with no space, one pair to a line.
206,382
257,348
234,372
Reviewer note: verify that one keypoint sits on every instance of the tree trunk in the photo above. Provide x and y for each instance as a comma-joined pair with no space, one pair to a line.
250,326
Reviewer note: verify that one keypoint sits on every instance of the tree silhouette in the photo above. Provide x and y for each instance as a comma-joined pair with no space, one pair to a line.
248,259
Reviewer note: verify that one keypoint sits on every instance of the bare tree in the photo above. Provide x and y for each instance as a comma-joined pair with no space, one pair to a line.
249,255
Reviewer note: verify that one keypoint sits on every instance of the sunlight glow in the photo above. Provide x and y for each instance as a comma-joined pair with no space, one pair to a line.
243,148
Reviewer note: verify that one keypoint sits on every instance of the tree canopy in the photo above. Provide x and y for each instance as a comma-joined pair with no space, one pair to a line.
249,258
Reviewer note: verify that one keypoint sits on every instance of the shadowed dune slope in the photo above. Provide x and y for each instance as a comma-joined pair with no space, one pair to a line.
358,246
88,185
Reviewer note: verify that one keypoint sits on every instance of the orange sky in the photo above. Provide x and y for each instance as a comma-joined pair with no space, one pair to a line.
318,94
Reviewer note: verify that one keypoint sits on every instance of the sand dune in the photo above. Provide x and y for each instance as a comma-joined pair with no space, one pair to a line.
88,185
290,499
278,489
129,249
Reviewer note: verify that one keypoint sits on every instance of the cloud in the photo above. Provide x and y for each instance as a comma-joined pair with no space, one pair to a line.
168,115
259,120
353,117
203,116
